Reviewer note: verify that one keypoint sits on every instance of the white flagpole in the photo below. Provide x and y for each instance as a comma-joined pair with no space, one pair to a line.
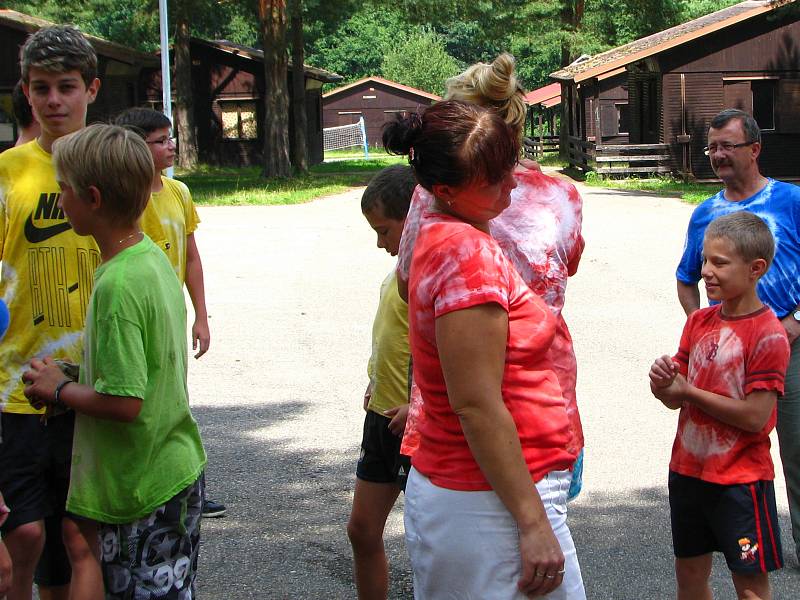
166,85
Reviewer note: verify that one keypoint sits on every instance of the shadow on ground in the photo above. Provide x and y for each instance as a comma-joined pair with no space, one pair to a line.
285,535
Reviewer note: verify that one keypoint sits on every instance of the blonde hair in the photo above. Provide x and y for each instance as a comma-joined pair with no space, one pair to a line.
113,159
492,86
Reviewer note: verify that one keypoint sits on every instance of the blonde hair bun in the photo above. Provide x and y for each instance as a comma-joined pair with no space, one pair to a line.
491,85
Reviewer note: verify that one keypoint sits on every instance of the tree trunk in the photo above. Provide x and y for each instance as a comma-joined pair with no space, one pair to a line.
272,14
300,146
184,105
571,20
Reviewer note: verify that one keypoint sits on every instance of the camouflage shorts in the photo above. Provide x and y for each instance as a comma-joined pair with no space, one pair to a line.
155,557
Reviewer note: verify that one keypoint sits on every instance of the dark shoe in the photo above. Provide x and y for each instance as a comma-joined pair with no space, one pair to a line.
213,509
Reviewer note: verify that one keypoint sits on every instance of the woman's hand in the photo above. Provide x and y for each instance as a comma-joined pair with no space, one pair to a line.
542,560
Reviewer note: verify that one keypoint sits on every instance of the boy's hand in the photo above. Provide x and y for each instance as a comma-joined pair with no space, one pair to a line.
673,395
200,337
4,510
399,415
663,372
42,379
5,570
367,396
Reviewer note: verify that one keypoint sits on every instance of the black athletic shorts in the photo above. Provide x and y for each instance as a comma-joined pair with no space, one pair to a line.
35,458
739,520
380,460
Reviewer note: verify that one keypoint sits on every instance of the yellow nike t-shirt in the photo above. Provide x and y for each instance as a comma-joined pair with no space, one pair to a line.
170,216
47,271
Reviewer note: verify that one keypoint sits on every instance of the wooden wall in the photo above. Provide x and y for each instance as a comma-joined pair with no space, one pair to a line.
219,77
377,102
606,94
718,70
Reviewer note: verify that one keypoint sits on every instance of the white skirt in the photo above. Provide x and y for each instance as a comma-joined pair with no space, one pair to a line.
465,545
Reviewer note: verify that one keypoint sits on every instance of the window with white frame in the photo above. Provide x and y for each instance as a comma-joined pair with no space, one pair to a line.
238,119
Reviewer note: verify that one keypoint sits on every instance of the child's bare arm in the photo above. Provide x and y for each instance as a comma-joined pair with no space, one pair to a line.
749,414
194,283
45,376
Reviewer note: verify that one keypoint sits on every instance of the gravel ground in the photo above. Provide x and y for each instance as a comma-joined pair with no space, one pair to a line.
292,291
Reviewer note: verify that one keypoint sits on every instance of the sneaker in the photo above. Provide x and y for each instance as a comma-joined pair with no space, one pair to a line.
213,509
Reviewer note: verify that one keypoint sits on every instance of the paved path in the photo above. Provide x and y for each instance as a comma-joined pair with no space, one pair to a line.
292,292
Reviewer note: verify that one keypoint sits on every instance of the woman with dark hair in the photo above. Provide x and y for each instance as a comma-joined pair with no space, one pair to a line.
485,509
540,233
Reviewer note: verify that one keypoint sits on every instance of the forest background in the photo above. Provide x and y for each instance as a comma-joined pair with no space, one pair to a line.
414,42
419,43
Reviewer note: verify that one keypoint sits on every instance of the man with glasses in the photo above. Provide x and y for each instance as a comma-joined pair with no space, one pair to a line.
734,144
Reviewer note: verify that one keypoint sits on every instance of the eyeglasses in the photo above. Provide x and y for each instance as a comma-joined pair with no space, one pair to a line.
162,141
726,148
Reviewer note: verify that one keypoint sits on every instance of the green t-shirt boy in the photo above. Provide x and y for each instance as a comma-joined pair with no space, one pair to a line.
135,345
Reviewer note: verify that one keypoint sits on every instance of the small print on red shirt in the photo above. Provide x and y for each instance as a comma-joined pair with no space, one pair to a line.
732,357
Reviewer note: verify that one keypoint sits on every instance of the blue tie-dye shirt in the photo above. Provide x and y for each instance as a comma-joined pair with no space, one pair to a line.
778,204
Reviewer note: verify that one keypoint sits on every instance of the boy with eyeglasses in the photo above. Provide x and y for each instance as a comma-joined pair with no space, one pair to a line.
170,220
734,145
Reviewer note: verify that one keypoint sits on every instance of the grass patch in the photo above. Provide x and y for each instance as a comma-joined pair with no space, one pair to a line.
355,152
552,160
693,193
358,165
223,186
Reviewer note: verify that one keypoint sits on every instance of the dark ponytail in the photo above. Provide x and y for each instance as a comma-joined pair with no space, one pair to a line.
400,135
453,143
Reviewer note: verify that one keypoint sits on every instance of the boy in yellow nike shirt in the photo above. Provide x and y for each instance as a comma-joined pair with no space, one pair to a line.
46,281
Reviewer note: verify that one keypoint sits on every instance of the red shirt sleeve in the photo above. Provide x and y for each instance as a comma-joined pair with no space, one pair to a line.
468,269
767,362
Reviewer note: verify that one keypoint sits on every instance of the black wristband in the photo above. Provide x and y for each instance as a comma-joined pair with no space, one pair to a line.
56,397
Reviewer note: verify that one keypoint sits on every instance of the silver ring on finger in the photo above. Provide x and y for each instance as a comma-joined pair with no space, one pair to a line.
540,574
561,572
550,576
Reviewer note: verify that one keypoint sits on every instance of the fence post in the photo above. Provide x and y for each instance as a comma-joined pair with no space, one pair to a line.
364,135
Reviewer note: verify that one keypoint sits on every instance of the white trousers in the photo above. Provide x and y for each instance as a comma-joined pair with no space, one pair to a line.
465,545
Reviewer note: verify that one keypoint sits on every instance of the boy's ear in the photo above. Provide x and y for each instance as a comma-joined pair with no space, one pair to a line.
95,198
758,267
92,90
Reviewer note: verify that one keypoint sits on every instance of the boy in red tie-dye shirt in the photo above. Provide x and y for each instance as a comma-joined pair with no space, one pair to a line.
726,379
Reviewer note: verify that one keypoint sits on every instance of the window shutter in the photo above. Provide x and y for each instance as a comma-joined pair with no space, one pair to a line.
788,106
737,94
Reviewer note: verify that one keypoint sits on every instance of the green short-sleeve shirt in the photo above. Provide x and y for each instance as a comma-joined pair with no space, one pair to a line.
135,345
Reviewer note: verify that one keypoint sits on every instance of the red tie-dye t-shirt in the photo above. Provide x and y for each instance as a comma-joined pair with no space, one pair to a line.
540,233
456,266
732,357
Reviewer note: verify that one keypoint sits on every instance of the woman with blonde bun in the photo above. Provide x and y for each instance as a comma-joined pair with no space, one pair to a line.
540,233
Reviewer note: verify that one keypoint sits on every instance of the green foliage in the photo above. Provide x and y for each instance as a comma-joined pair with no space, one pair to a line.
357,46
421,61
374,37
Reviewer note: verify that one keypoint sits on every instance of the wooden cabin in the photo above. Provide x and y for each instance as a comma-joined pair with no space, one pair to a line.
541,132
228,92
745,56
376,99
120,69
